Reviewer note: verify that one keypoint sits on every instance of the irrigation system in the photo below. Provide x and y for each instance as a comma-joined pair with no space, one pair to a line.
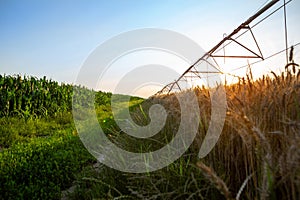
195,71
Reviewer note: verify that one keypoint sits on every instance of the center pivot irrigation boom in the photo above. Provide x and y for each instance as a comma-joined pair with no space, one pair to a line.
193,71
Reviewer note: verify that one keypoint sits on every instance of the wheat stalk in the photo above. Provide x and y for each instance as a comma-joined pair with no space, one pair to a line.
215,179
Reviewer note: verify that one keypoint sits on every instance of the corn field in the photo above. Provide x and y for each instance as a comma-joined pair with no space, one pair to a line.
29,96
33,97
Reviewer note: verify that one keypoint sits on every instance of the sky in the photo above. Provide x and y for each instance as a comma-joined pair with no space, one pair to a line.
54,38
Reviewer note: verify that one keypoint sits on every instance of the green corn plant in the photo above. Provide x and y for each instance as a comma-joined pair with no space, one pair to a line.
33,96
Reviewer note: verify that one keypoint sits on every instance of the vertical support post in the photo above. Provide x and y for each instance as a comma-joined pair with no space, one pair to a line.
285,33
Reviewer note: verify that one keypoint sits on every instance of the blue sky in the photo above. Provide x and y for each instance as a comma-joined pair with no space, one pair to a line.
53,38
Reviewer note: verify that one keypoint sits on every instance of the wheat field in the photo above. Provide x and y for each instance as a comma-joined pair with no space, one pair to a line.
257,155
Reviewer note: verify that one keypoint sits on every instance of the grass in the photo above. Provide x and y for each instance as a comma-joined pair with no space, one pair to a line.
18,130
41,167
256,157
40,156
